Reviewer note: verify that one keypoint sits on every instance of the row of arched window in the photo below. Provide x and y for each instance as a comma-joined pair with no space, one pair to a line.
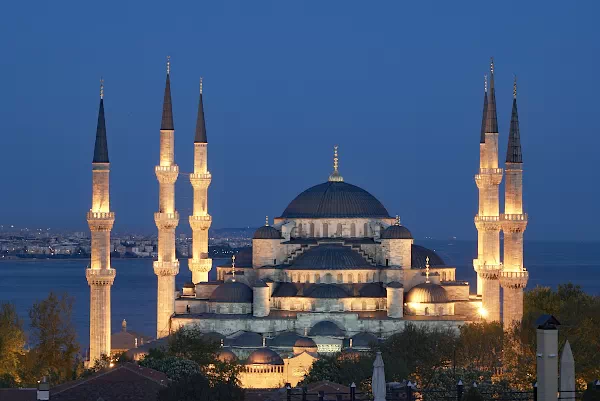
330,306
264,369
328,278
325,231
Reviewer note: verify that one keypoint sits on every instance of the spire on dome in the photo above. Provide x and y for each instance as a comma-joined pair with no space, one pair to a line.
427,269
200,136
101,146
491,120
513,153
397,220
233,268
335,176
485,107
167,113
267,221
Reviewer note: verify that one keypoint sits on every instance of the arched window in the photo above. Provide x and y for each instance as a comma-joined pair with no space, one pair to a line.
426,311
299,231
325,230
350,278
340,278
230,308
364,305
317,278
443,276
312,229
293,277
338,231
359,279
353,230
328,278
366,230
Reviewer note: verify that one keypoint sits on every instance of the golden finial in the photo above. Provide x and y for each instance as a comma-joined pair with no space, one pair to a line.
492,65
335,176
101,88
200,85
515,88
233,268
168,65
427,269
485,82
222,342
397,220
264,341
267,221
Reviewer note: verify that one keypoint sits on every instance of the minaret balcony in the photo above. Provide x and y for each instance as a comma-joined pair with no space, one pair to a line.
510,279
514,217
487,271
166,268
200,265
487,222
200,222
167,174
100,221
100,276
488,177
514,223
166,220
200,180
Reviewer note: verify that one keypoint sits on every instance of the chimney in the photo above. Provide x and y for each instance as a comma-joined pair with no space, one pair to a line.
43,392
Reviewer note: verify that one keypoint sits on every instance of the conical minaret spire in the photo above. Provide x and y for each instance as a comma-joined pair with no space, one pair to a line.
167,218
491,121
100,276
200,221
513,153
167,113
513,277
485,107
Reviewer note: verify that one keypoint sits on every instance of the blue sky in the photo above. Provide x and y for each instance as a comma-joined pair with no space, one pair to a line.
397,85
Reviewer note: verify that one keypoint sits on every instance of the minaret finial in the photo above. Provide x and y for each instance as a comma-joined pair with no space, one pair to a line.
397,219
200,85
266,220
515,87
168,65
427,269
233,268
101,88
492,65
335,176
485,82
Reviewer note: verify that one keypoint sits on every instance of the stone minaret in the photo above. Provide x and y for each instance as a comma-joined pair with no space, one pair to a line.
200,264
513,277
99,275
167,218
487,219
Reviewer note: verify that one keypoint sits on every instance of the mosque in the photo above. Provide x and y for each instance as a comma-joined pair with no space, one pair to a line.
334,272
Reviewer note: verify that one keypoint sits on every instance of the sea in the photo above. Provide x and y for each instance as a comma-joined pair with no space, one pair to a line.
24,282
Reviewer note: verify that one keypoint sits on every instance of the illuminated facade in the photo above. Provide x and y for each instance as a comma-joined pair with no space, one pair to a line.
100,276
167,218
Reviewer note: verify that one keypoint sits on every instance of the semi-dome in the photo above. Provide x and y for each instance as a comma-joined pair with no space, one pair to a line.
396,231
372,290
286,289
427,293
326,328
247,339
363,339
267,232
264,356
226,355
326,291
330,257
305,344
285,339
419,256
335,200
232,292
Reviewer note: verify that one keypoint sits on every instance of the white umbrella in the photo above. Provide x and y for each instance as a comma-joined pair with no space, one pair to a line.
567,373
378,382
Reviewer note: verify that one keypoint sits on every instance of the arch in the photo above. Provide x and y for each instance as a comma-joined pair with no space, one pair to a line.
350,278
427,311
325,230
317,278
366,230
311,229
301,278
443,276
338,230
293,278
340,278
328,278
299,230
230,308
359,278
353,230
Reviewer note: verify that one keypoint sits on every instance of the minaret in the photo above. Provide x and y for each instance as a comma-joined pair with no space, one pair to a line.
200,264
487,219
513,277
100,276
167,218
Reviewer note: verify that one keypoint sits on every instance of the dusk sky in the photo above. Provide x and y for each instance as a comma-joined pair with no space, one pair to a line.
397,85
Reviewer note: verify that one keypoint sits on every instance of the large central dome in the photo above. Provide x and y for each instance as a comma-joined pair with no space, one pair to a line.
334,199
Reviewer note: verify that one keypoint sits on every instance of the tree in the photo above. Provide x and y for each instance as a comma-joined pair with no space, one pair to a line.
12,341
197,387
343,369
480,346
175,368
53,334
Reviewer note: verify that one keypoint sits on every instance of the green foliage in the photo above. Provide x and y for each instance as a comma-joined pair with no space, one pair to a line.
175,368
342,369
480,346
472,394
197,387
12,341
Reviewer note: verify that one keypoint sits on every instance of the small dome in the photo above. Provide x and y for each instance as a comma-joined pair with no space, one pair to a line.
419,256
285,290
427,293
267,232
264,356
247,339
189,284
213,336
394,284
285,339
226,355
363,339
372,290
396,231
232,292
305,342
326,328
326,291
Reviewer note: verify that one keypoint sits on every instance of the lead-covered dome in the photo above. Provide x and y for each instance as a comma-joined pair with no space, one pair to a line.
232,292
396,231
427,293
264,356
335,200
326,328
267,232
